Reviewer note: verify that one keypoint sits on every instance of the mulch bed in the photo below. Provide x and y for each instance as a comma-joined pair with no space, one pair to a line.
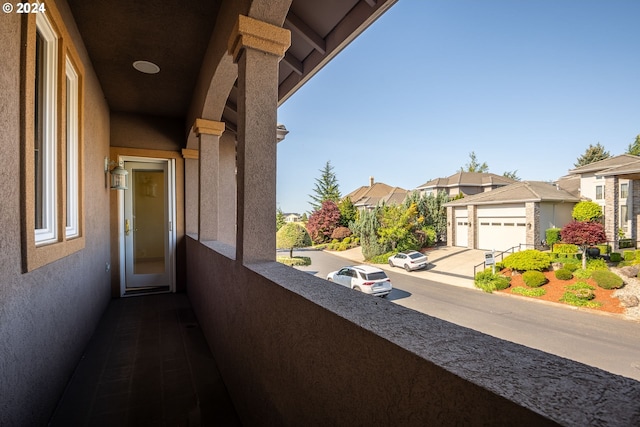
555,288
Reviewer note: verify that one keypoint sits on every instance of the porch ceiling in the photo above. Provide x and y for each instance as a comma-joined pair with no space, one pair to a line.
175,35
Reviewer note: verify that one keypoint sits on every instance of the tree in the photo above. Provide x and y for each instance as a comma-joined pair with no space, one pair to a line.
323,221
512,175
366,228
396,227
292,236
279,219
583,234
586,211
474,166
348,212
326,188
634,148
593,154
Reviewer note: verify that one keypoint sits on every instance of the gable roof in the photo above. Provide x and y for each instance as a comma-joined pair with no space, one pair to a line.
610,163
523,191
459,179
372,195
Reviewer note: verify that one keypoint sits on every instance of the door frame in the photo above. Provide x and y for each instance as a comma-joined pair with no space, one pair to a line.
171,200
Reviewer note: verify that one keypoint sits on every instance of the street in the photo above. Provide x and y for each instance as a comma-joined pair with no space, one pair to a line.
597,339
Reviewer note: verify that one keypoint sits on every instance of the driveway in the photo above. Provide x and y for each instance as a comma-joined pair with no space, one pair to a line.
447,264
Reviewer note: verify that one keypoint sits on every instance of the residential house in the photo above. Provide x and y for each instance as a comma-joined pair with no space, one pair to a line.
516,215
612,183
464,183
184,96
291,217
376,193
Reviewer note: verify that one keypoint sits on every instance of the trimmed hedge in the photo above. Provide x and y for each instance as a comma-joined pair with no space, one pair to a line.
534,279
607,279
629,255
529,259
563,274
615,257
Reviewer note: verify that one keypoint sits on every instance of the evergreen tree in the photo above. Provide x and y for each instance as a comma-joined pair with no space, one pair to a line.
326,188
474,165
512,175
634,148
593,154
348,212
279,219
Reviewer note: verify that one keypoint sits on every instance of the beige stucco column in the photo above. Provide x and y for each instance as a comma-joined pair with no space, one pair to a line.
191,166
208,133
257,47
227,189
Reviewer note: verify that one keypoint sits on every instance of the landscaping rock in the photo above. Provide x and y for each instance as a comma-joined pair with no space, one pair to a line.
629,301
630,271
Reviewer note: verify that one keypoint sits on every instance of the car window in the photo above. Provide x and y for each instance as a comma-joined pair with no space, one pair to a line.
377,275
401,256
416,255
344,272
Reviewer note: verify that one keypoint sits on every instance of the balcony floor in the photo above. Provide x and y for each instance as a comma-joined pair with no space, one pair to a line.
147,364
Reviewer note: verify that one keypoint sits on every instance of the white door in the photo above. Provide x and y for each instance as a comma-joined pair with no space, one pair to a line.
461,225
501,227
148,227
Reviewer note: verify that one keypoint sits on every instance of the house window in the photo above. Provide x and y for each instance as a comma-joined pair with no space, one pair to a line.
45,131
624,218
72,226
599,195
624,190
51,121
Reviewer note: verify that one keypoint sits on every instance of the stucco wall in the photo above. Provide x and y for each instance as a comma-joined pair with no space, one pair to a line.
47,315
296,350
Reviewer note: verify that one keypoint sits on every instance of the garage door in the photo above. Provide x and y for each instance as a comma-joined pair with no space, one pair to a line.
501,227
461,227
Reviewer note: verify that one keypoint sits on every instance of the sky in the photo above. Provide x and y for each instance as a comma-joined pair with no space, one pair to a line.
526,85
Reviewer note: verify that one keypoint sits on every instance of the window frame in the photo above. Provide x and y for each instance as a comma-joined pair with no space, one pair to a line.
624,193
599,192
63,126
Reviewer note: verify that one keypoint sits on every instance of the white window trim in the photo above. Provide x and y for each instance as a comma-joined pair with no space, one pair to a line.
48,233
72,227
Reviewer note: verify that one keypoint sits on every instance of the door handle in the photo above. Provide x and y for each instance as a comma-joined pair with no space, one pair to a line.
127,227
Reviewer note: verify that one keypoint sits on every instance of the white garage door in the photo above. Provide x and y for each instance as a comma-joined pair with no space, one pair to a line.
461,227
501,227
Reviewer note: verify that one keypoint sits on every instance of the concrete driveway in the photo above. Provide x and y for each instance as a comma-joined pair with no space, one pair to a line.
447,264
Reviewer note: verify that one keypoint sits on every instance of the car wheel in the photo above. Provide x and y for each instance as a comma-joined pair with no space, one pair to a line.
390,263
330,279
355,288
385,295
406,267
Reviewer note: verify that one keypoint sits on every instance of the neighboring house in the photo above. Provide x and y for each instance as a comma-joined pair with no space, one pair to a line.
376,193
466,183
613,184
513,215
291,217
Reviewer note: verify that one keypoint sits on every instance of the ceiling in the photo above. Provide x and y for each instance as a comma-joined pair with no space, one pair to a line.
118,32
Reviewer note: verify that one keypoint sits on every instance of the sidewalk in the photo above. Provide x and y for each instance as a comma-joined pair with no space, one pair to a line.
447,264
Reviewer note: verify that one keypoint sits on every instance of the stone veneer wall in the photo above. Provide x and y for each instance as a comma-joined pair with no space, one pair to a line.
611,210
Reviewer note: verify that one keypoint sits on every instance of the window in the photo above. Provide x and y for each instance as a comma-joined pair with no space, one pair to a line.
624,218
51,122
624,190
599,195
44,150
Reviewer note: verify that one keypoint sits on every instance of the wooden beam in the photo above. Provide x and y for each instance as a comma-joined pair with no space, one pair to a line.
303,30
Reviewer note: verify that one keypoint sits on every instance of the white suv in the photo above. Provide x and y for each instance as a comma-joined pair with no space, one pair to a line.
363,278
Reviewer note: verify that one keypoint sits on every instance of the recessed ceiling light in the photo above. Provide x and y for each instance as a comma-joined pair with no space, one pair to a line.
146,67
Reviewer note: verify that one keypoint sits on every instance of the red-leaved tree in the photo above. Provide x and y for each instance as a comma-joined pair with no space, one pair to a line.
323,221
583,234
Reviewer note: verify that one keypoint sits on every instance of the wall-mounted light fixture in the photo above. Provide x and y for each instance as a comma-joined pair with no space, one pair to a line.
118,174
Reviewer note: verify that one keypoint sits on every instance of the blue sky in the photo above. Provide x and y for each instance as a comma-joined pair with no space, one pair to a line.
527,85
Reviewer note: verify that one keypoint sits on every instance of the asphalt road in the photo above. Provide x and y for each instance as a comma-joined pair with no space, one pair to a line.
605,341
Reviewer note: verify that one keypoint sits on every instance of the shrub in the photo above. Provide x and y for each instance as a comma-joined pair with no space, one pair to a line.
607,279
292,235
563,274
625,243
529,259
629,255
615,257
571,266
594,264
340,233
489,282
346,240
586,211
565,248
580,295
534,279
529,292
604,249
553,236
382,259
582,274
295,261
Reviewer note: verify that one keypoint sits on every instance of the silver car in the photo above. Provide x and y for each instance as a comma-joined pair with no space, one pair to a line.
363,278
409,260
